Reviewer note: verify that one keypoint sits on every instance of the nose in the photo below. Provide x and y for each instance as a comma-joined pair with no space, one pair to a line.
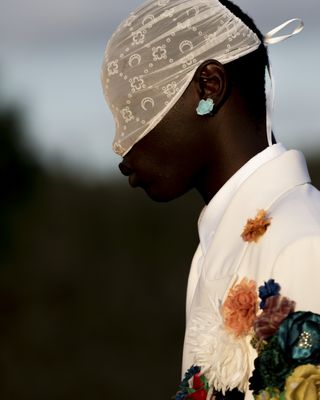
125,169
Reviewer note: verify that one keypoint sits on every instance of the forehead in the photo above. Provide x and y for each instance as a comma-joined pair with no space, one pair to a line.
151,58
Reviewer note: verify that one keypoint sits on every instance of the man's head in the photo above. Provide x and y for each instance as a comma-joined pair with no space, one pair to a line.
175,148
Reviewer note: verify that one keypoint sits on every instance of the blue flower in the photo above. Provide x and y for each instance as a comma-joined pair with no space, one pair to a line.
184,385
195,369
181,395
270,288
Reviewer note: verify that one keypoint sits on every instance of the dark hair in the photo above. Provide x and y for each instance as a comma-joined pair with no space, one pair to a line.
248,72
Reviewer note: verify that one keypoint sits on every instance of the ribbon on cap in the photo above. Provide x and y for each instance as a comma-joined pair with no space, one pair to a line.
270,38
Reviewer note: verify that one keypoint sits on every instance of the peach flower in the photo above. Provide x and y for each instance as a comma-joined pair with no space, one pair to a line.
256,227
240,308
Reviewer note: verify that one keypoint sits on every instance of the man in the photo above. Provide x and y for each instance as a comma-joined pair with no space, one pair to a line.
185,81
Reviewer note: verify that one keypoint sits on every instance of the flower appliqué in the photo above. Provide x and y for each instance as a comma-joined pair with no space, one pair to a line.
276,310
270,288
304,383
226,338
255,228
194,385
240,308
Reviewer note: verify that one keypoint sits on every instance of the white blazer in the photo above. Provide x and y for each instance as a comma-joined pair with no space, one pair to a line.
288,252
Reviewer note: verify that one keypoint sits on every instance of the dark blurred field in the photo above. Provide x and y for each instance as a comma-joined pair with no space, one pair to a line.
92,283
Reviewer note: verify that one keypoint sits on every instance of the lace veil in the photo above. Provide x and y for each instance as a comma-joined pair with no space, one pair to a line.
153,55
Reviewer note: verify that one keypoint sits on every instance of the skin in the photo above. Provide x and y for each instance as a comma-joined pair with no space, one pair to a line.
186,151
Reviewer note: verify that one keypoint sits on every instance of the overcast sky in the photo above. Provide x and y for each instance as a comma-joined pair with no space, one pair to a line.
50,58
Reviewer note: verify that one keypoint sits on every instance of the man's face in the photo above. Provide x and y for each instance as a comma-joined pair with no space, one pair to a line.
166,162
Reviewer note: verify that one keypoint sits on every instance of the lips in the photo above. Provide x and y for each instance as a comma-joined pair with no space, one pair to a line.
125,169
128,171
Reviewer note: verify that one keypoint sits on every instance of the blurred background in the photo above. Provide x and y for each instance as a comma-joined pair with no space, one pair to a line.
93,273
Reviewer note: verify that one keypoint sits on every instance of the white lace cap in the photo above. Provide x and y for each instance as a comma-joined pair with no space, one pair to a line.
153,55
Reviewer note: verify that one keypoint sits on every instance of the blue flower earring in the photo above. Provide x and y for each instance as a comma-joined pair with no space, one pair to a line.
205,107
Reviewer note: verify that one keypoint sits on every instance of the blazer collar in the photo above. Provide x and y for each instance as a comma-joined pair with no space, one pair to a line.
212,214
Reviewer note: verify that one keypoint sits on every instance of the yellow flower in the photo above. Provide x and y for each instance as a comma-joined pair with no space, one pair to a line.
268,394
304,383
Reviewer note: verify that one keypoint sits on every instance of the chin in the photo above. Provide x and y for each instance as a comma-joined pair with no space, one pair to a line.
162,196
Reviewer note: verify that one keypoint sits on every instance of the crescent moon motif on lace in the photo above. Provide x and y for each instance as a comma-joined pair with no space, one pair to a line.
185,44
148,19
195,9
145,101
134,60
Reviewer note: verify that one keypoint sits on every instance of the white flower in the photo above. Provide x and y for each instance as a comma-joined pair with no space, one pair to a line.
113,67
137,83
159,52
171,89
127,114
227,361
138,37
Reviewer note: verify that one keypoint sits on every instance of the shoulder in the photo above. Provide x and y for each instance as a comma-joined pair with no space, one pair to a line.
297,212
297,269
289,252
294,216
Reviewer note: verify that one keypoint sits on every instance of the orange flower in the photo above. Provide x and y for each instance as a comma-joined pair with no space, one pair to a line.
256,227
240,308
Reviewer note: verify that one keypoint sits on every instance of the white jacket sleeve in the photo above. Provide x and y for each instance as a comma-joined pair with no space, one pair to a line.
297,270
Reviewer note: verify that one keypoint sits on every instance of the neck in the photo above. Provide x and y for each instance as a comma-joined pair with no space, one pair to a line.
233,143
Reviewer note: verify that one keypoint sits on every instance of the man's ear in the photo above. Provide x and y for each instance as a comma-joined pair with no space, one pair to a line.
212,82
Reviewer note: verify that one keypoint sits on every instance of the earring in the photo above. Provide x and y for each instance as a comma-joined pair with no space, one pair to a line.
205,107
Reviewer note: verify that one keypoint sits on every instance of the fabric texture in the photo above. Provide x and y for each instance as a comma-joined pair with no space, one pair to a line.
153,55
288,252
212,213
